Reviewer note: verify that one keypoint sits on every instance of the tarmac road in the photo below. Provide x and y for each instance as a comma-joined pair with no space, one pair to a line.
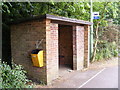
100,78
106,78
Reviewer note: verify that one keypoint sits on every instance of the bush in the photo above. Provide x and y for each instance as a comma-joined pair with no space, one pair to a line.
13,78
110,33
106,50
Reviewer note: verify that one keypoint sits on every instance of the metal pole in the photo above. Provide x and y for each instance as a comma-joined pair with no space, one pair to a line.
91,31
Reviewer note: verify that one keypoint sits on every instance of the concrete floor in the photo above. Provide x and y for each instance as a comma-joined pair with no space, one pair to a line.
64,69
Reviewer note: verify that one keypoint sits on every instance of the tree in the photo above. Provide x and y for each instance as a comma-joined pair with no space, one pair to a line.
12,11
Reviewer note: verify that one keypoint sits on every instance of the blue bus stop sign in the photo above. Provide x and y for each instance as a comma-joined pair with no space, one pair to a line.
96,17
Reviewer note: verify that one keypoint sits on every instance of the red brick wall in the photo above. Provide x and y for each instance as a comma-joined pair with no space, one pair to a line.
65,45
51,51
86,46
78,47
23,39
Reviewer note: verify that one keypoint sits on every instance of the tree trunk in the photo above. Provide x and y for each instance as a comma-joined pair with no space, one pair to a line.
97,36
96,42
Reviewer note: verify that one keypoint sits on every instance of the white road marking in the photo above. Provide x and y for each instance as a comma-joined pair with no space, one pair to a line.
91,78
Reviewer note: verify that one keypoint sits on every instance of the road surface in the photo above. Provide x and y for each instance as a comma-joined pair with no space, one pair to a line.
100,78
106,78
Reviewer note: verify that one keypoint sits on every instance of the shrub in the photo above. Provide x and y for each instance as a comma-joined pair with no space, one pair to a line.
106,50
14,77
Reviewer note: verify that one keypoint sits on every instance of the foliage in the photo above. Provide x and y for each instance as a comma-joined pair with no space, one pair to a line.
113,12
14,77
106,50
108,41
110,33
81,10
12,11
110,12
100,24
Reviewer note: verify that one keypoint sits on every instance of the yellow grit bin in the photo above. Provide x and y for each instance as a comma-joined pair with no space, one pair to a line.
37,59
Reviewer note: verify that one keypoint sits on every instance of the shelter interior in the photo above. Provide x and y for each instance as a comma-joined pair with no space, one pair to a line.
65,47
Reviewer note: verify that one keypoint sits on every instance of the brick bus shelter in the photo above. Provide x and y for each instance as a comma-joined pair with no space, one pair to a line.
65,42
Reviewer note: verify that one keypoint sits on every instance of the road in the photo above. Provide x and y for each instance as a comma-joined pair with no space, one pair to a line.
100,78
106,78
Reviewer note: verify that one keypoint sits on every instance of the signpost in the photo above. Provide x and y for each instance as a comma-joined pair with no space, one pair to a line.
91,31
94,15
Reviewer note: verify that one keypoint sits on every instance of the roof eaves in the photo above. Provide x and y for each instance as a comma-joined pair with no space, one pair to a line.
52,17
